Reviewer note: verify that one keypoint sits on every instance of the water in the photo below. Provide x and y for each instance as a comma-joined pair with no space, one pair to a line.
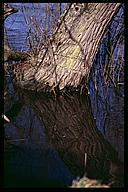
36,163
20,26
32,161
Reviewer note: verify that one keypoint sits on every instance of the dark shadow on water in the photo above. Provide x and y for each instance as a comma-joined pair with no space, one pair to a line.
35,168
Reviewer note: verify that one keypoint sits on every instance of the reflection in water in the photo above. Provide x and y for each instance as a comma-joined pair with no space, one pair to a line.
34,167
31,161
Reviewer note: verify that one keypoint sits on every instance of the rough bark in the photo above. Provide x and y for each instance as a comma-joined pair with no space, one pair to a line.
67,116
70,54
8,10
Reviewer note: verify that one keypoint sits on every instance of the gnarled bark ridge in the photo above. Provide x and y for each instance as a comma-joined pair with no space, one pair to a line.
70,54
67,117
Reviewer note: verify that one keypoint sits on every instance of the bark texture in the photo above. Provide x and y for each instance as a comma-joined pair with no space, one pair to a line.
70,54
67,115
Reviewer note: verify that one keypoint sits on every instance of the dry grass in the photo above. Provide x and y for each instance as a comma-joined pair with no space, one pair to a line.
88,183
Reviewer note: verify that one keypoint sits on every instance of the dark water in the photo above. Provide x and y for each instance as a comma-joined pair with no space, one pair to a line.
33,167
29,160
33,162
107,101
16,26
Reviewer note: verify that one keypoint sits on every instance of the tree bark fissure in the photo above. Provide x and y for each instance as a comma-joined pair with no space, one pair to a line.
67,118
82,33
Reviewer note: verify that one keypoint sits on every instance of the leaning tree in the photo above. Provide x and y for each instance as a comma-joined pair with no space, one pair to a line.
54,83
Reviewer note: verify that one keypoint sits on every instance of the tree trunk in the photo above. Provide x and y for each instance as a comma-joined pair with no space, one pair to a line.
71,130
70,54
66,115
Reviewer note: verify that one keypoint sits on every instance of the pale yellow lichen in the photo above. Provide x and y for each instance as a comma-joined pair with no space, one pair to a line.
71,55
